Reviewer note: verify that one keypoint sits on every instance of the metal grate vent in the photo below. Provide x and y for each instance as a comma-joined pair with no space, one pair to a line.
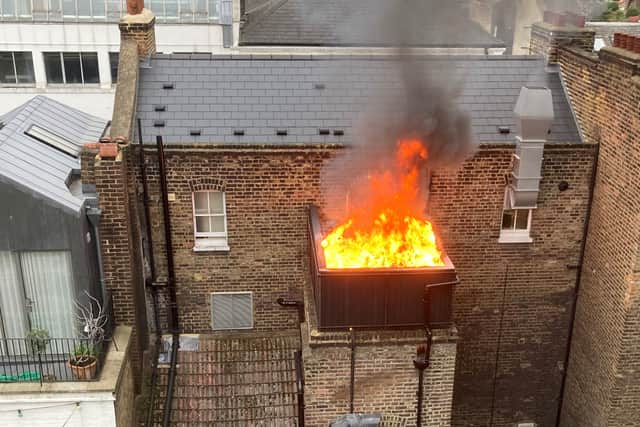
231,310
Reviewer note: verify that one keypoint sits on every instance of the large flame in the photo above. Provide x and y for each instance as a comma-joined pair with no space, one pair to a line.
388,231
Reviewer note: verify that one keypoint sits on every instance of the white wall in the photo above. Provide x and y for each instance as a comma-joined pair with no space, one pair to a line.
91,37
42,409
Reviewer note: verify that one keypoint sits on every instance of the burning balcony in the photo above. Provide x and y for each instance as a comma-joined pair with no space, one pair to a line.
379,297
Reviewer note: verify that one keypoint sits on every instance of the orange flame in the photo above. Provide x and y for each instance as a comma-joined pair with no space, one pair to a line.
388,232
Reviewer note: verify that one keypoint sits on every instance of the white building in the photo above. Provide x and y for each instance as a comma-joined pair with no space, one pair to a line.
68,49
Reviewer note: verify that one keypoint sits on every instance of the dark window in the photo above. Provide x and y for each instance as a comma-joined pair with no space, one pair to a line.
90,67
71,67
16,67
516,219
114,57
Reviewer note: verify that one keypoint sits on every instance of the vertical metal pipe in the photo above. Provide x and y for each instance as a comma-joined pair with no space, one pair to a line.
420,397
353,370
175,326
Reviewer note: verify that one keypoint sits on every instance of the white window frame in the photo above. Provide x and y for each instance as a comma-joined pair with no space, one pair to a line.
515,235
15,70
250,293
64,73
210,241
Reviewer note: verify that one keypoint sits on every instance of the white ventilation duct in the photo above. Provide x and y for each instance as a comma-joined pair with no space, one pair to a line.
534,115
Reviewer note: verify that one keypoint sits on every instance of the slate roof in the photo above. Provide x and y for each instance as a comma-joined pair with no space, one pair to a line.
261,95
35,166
366,23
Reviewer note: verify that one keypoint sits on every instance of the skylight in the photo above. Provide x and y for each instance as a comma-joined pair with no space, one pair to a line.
53,140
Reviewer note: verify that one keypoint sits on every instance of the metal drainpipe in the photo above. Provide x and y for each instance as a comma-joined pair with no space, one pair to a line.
149,282
353,370
421,362
93,215
171,284
594,173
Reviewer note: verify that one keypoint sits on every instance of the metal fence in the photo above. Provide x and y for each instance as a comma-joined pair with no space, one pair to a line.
49,359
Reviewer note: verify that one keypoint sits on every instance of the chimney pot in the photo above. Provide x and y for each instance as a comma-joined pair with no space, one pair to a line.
134,7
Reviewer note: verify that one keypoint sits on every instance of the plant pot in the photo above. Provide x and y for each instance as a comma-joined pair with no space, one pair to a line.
85,372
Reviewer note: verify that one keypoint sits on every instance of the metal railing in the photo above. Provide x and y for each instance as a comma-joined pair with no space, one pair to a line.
49,359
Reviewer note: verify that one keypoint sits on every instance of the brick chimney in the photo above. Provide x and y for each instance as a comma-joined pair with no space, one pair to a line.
560,29
138,24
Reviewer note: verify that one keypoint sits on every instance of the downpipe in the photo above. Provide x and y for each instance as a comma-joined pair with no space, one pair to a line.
171,285
421,362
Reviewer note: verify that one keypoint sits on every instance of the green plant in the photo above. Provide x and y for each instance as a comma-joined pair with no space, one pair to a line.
613,6
83,355
632,11
38,340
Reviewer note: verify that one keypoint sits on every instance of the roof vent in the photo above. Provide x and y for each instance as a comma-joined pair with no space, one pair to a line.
534,115
167,86
504,130
53,140
338,132
319,86
238,132
281,132
195,132
324,131
159,108
158,124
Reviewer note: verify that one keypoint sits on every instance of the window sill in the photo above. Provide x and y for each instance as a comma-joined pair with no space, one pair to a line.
210,248
515,238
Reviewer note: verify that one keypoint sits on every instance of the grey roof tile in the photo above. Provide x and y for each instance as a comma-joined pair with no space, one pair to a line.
489,88
35,166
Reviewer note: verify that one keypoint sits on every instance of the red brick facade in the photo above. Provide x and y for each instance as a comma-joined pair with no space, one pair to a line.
512,306
603,383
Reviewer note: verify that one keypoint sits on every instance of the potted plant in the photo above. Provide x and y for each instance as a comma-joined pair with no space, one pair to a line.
83,361
38,339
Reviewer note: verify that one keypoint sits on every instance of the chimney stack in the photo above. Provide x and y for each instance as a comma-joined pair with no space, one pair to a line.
138,25
557,30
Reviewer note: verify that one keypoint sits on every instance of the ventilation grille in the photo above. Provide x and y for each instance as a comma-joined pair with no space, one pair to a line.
231,310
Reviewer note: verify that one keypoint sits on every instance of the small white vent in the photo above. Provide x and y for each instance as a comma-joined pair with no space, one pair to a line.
231,310
526,425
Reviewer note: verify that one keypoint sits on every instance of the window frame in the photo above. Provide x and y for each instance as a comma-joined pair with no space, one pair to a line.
64,72
114,81
15,70
210,240
515,235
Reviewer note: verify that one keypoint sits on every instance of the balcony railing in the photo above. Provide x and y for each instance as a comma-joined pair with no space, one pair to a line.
169,11
48,359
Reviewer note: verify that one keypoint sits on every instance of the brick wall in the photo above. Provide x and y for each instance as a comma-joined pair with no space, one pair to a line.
523,311
513,304
546,39
603,378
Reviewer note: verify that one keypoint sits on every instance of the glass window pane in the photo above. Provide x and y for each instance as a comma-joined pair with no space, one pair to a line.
213,8
215,202
8,8
171,8
202,224
522,219
185,10
53,67
113,63
98,8
217,224
72,71
114,9
84,7
156,7
24,67
7,74
69,7
90,67
508,219
202,206
24,7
